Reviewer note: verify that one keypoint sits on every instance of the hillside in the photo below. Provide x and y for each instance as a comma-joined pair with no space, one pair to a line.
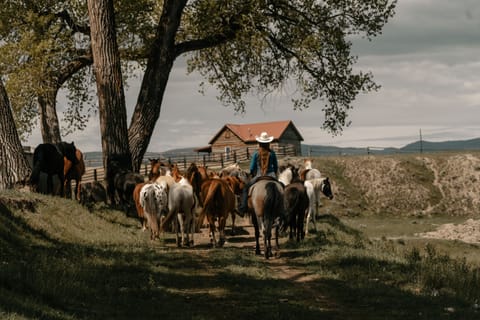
402,184
60,261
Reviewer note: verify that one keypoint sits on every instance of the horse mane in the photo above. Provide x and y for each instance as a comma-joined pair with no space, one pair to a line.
68,150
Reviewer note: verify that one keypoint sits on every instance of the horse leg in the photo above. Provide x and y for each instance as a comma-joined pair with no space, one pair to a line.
222,221
178,224
189,228
211,223
257,235
267,234
78,186
233,222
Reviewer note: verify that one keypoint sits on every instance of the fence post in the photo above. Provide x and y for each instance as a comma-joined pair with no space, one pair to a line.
184,162
248,154
94,174
146,169
221,160
234,156
204,160
284,152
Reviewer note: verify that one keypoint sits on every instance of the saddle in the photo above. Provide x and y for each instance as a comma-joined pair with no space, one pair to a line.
263,178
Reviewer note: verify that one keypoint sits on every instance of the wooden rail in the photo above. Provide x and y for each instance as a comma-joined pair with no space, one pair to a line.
214,161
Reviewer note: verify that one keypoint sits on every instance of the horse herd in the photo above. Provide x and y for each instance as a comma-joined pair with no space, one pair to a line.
170,199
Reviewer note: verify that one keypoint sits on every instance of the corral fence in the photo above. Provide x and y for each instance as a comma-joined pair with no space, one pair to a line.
214,161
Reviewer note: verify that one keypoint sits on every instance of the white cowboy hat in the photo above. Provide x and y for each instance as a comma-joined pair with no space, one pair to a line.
264,138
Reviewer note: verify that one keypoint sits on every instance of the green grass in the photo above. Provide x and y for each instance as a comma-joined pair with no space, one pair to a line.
60,261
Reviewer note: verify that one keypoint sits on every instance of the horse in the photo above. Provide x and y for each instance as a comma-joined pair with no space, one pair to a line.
237,185
91,193
181,203
154,201
285,174
176,173
309,172
157,168
196,179
73,172
48,158
138,206
266,205
228,170
316,187
121,182
218,202
296,205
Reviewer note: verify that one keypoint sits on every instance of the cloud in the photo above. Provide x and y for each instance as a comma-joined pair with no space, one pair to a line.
426,60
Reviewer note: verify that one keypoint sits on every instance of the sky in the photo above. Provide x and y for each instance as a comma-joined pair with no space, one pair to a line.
427,62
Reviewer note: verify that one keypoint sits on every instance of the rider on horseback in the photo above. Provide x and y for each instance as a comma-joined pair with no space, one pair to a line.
264,163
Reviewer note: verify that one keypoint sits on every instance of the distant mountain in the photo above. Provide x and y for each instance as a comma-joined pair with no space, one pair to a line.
417,146
473,144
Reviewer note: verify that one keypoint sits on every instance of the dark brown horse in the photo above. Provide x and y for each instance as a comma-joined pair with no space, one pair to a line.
48,160
73,172
195,177
296,205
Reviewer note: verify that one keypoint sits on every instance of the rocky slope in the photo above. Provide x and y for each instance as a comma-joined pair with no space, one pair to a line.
414,184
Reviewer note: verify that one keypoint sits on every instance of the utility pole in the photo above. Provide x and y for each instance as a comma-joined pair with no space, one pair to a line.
421,142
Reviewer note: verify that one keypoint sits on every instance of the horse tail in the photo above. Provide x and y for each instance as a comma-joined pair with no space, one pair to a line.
210,197
273,204
147,199
272,197
209,200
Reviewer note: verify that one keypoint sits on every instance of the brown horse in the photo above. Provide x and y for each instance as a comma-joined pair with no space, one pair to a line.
195,177
219,201
73,171
136,199
237,185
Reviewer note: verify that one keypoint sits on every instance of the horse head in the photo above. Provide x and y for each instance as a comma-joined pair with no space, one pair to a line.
327,188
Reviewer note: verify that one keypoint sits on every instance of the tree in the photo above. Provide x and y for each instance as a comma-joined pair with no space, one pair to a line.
45,46
13,163
241,46
244,46
111,100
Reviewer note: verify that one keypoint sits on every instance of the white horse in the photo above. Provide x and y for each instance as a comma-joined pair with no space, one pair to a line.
309,172
154,201
315,187
181,202
285,176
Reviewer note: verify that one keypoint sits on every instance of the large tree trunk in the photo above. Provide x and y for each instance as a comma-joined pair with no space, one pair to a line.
159,65
111,99
13,163
49,124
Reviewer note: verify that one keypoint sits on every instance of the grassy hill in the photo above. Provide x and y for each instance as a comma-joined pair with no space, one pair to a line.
60,261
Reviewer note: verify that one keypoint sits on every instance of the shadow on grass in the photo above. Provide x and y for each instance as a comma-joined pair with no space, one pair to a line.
70,281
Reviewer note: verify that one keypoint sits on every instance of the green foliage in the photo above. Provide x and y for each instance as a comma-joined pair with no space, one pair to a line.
41,41
274,42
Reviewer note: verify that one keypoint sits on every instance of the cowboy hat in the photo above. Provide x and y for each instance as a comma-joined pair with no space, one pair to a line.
264,138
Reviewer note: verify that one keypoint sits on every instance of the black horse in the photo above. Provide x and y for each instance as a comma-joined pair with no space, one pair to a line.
121,182
48,159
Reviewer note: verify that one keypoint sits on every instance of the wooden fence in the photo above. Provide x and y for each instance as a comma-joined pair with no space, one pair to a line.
214,161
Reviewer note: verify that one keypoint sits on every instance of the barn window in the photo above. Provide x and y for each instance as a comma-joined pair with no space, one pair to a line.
227,153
